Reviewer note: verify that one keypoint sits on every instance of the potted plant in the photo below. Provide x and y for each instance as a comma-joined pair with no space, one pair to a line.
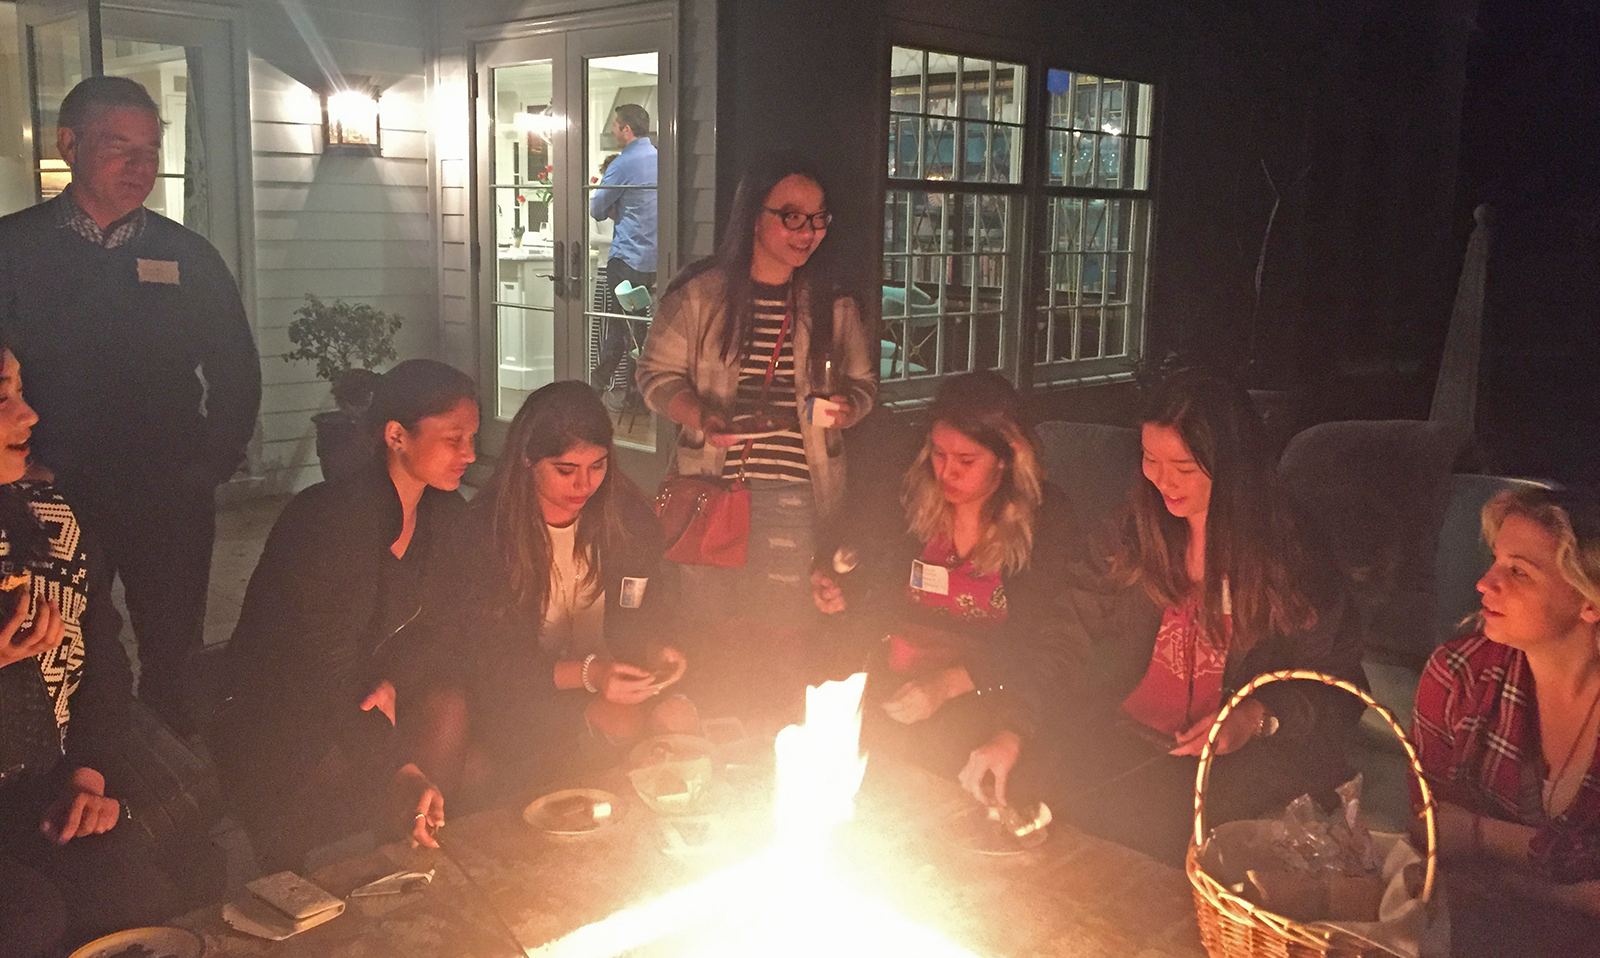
344,340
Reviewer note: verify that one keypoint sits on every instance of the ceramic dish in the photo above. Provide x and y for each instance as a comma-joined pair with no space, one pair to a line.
574,812
673,774
154,942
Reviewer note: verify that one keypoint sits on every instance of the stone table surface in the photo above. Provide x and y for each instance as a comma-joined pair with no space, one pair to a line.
1074,897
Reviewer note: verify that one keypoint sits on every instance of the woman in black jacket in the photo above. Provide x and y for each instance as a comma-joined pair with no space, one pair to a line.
306,742
976,647
549,647
1208,589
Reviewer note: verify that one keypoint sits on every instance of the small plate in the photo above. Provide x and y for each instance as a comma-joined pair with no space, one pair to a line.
153,942
973,830
563,812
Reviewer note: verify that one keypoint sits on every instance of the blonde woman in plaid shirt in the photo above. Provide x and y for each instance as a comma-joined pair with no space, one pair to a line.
1506,717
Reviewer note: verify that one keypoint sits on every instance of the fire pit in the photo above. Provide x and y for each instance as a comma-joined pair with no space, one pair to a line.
801,878
795,897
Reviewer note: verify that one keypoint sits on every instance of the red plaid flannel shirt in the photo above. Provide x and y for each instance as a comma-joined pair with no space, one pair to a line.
1476,730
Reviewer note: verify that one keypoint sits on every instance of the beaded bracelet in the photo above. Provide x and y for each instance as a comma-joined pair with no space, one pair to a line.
583,674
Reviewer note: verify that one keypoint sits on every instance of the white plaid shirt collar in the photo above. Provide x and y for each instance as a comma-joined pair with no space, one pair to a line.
120,233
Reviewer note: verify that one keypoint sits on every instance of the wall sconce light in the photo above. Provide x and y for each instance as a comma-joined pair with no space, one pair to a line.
350,122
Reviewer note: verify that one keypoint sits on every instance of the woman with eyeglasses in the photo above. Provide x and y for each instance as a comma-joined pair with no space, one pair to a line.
741,340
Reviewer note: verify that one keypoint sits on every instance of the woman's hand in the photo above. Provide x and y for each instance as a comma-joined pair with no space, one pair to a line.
1238,729
826,594
381,698
846,416
991,761
917,699
422,800
670,667
622,683
716,430
687,410
45,634
82,809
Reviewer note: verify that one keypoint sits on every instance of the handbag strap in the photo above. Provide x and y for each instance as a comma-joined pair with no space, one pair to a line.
766,383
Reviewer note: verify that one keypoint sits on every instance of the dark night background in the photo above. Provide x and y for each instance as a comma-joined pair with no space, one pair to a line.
1382,124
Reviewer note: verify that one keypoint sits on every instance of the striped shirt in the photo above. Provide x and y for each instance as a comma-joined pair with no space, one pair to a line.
775,457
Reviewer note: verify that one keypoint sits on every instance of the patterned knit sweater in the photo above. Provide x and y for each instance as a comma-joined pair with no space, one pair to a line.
70,701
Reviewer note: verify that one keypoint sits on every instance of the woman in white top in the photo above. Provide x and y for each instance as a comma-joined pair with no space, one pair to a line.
550,648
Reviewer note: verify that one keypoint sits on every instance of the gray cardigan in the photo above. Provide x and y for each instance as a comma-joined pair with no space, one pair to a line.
683,354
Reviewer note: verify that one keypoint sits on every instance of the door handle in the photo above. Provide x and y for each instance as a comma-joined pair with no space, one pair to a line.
576,277
558,282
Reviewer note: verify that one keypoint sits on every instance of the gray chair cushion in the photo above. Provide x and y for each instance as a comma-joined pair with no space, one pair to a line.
1096,466
1373,495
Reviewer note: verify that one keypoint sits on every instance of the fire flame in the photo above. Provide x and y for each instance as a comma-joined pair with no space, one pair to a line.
787,900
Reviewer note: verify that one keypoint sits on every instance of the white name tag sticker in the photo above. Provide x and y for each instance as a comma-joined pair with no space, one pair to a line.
632,593
926,577
158,271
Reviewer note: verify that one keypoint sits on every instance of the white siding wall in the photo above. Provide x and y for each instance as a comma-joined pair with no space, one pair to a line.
357,228
697,130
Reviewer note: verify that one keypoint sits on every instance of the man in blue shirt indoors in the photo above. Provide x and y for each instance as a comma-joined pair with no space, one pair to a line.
627,195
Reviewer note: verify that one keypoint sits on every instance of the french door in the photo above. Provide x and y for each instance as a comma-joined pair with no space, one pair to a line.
544,107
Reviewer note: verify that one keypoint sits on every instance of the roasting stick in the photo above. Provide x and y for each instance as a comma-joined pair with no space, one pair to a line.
1127,773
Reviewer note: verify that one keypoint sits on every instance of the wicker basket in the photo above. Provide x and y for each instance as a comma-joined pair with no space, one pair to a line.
1230,926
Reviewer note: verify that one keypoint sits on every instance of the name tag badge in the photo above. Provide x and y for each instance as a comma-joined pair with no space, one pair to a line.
926,577
158,271
632,593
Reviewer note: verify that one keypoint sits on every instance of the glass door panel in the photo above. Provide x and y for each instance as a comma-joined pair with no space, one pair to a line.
550,229
185,64
55,39
526,130
622,230
163,70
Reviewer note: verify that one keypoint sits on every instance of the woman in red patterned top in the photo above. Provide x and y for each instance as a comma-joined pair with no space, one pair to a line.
1506,716
1208,589
970,596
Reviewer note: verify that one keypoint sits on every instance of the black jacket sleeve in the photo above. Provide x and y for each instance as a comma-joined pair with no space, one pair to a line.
308,607
232,369
1333,647
96,736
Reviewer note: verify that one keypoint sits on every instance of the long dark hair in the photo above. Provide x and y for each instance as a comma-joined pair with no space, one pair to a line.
552,420
411,392
736,249
1248,538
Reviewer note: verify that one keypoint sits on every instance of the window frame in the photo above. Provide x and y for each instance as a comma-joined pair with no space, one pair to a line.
1027,239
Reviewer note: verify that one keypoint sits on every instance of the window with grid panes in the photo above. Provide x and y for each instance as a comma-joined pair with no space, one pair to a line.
956,288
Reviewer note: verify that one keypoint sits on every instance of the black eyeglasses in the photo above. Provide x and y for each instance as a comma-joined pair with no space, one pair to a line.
794,220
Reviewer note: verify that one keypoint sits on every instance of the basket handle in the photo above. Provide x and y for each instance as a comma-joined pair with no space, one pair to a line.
1207,754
